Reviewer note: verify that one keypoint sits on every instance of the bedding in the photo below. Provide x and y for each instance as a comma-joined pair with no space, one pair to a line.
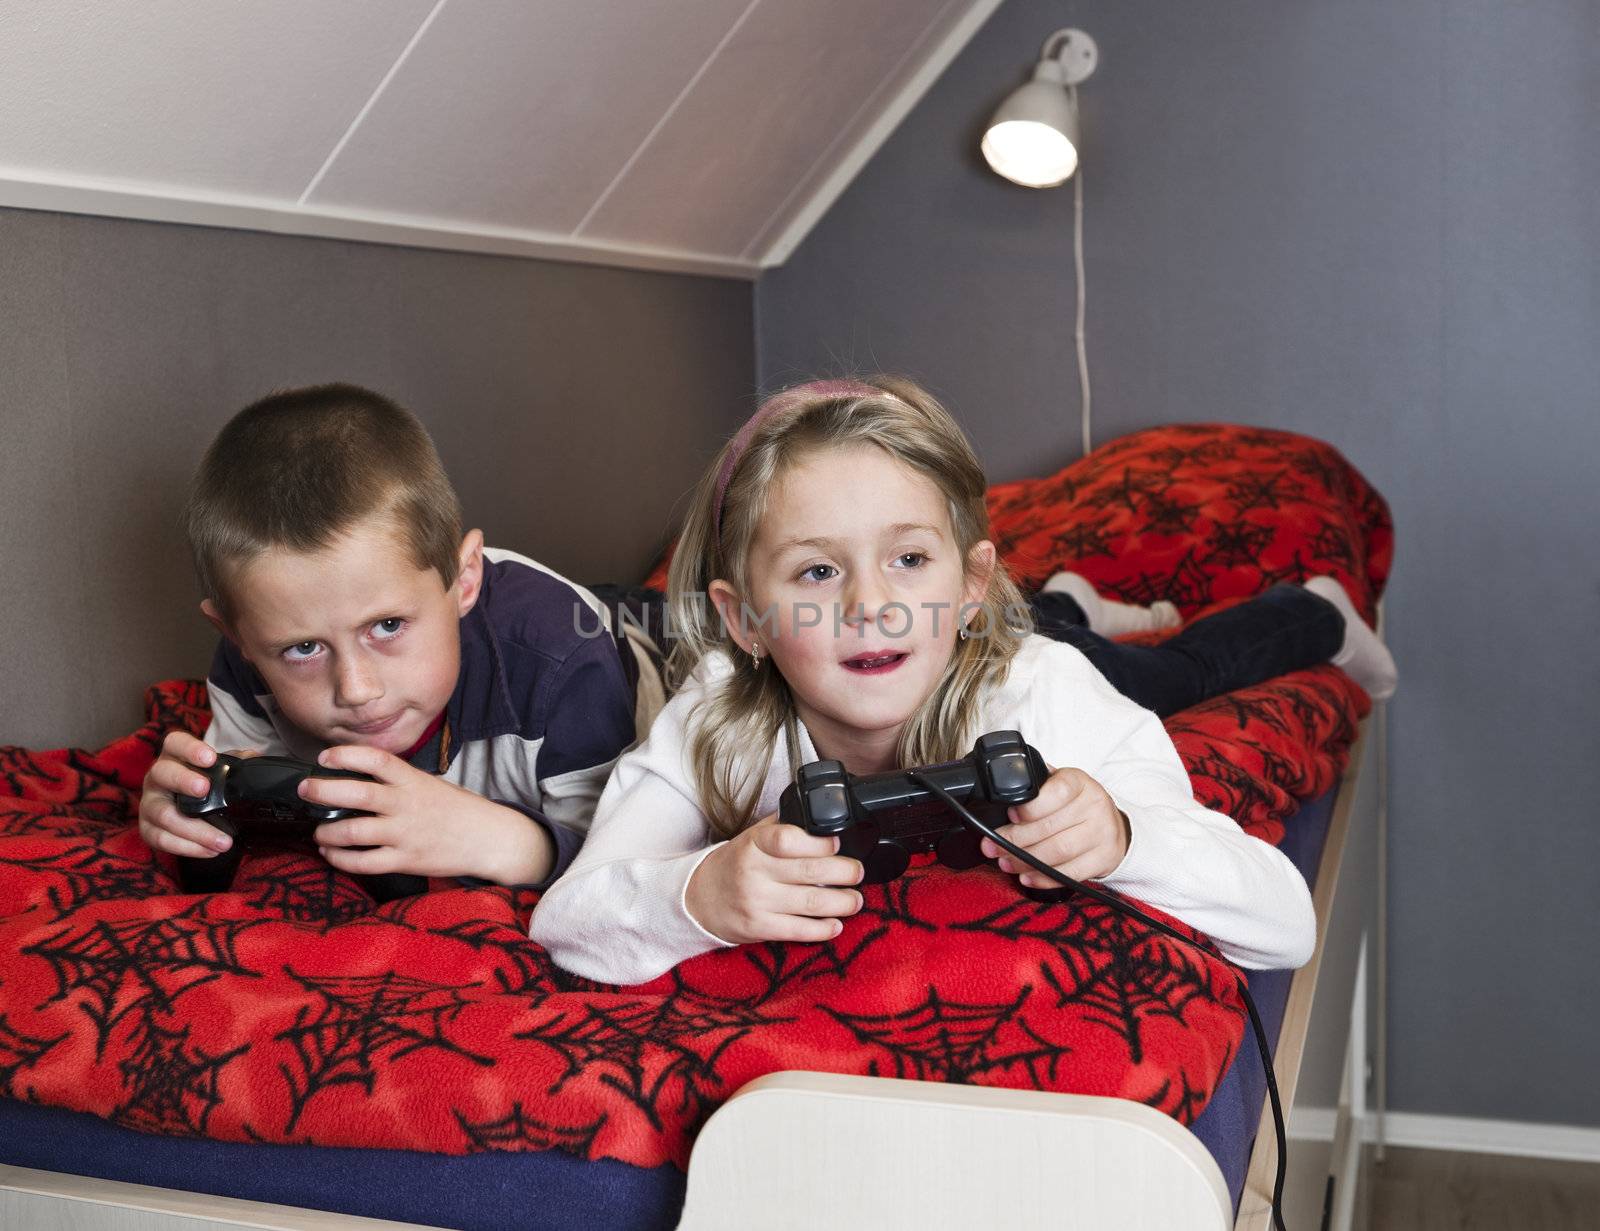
548,1189
292,1010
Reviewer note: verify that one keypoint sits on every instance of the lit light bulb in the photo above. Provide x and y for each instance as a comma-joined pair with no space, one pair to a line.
1033,138
1030,153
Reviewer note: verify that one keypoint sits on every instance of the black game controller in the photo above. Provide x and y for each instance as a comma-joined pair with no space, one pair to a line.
259,797
884,819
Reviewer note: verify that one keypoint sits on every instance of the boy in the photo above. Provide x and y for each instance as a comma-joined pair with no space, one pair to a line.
363,630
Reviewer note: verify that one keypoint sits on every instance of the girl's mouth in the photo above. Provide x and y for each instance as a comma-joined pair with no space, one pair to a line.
875,664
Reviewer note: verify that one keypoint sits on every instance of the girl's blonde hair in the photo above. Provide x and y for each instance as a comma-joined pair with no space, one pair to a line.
751,708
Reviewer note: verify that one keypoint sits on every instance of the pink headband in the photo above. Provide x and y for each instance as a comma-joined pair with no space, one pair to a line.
832,390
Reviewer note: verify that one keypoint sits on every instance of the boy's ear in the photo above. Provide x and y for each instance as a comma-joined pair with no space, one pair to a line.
469,571
209,610
729,606
980,571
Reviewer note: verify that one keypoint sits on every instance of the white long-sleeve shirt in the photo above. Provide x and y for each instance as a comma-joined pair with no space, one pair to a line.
618,915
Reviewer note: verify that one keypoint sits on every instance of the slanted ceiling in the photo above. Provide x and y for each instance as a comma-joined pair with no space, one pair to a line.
698,135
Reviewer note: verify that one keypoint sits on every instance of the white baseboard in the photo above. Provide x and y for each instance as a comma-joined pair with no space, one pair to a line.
1461,1133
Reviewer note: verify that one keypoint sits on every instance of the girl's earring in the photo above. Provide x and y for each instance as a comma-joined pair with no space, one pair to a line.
964,632
755,653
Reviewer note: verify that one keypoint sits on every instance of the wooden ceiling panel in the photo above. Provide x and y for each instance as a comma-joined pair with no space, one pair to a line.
520,113
236,99
788,89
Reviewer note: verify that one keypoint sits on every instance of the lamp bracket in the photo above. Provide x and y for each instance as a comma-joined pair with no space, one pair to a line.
1068,57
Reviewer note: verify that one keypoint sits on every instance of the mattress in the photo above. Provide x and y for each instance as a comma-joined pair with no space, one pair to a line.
1228,1124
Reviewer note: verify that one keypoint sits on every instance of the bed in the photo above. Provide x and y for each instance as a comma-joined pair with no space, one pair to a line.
111,1109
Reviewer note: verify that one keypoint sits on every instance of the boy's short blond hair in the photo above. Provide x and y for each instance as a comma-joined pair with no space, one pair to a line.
301,466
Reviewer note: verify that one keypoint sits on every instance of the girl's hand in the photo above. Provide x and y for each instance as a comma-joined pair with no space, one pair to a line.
1071,824
422,824
774,882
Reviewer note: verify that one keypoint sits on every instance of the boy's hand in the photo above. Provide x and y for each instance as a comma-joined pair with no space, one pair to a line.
422,824
774,882
161,825
1071,824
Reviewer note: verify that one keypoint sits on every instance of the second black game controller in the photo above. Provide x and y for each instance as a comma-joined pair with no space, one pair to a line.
254,798
884,819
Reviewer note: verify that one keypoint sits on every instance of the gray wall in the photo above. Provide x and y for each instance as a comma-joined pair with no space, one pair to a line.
573,405
1376,223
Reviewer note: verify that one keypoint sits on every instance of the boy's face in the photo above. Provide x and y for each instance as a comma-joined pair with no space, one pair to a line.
357,644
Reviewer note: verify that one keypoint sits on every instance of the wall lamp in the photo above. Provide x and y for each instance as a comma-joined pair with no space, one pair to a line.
1033,141
1033,138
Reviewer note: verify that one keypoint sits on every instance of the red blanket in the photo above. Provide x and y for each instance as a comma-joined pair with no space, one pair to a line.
293,1010
1201,514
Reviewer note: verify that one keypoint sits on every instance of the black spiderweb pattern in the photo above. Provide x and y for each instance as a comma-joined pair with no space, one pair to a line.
1240,543
519,1131
66,780
138,967
656,1052
299,887
522,966
20,1052
1115,970
891,902
943,1039
43,821
783,967
81,873
363,1024
1188,585
172,1084
1084,540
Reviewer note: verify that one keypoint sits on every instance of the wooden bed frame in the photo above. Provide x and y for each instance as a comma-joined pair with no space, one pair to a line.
805,1150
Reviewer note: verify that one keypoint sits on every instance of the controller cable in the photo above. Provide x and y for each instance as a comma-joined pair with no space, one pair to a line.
1118,904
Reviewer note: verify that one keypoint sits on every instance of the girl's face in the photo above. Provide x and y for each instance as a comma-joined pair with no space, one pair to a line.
856,593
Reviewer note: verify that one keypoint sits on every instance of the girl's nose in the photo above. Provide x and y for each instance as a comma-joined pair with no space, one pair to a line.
864,602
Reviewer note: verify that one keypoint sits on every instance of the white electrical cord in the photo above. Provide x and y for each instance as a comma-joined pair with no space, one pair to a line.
1077,252
1381,1073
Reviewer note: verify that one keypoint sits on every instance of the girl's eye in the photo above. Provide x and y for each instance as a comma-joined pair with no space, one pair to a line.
302,651
819,572
911,559
385,629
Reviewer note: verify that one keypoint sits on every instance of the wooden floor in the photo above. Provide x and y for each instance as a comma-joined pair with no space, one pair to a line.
1436,1190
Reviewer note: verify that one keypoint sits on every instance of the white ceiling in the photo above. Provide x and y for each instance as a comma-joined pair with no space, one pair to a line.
700,135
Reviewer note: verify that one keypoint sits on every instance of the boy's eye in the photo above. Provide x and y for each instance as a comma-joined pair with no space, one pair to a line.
384,629
819,572
301,651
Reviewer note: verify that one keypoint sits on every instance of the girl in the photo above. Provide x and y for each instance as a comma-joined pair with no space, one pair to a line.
857,612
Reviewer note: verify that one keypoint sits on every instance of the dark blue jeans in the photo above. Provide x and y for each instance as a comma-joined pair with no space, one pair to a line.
1286,629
